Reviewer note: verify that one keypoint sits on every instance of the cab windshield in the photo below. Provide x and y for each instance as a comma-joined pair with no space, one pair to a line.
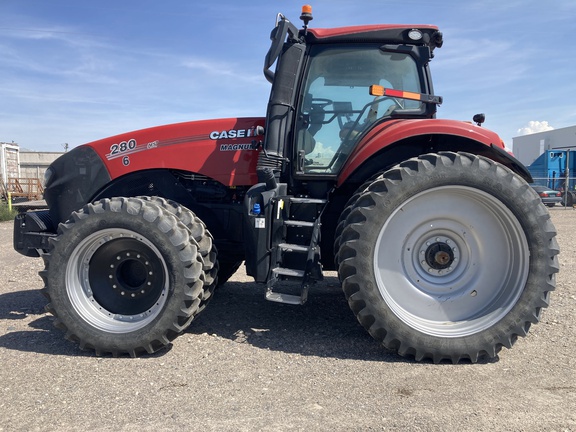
337,106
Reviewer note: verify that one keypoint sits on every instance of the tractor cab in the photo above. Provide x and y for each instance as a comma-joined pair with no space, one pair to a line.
331,87
337,106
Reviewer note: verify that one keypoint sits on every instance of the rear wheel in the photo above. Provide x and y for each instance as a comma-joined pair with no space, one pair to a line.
448,256
123,276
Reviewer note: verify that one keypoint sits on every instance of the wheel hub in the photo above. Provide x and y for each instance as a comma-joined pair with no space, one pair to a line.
439,255
125,276
132,275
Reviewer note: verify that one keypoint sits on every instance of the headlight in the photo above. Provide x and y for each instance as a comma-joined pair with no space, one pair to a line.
415,34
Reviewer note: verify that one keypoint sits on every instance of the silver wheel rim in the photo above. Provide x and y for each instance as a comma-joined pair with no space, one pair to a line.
451,261
81,292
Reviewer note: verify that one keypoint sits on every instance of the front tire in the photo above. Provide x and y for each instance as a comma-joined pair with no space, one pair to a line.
202,238
123,276
448,256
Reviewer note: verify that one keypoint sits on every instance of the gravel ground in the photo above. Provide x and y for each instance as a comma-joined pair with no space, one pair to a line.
247,365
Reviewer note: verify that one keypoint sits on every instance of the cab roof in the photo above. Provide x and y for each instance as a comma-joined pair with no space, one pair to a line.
380,33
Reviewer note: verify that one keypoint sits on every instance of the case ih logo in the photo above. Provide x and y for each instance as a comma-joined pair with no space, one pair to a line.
233,133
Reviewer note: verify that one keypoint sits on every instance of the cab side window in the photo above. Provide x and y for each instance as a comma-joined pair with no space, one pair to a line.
337,106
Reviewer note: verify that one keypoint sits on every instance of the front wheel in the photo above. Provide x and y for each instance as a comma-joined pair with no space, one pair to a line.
124,275
448,256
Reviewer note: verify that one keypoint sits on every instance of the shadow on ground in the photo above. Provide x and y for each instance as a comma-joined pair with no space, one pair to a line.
324,326
27,327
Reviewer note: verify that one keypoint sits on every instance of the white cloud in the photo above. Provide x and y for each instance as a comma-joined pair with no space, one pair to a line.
535,127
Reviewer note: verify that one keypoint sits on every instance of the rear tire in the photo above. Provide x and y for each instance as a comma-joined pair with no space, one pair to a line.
123,276
342,219
448,256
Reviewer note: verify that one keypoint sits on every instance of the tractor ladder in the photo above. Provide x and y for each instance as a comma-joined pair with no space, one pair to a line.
295,250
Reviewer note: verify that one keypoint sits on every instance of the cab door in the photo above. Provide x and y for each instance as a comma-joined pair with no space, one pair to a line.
336,107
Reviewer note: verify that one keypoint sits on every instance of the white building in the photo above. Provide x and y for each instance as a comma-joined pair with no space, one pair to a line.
9,161
528,147
22,172
34,164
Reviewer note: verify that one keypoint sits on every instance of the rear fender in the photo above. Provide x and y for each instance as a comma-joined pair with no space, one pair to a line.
394,141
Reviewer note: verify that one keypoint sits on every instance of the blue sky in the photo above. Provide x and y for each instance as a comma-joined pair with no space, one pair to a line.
72,72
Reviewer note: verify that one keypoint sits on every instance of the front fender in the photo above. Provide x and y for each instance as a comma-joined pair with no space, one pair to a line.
72,180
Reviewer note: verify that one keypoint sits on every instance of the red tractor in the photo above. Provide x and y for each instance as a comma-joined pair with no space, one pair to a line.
443,250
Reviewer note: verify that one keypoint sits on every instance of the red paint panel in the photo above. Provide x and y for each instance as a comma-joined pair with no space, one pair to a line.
395,130
220,149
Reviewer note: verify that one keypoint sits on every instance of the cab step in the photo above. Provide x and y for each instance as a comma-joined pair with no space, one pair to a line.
287,298
295,249
288,247
281,271
298,223
304,200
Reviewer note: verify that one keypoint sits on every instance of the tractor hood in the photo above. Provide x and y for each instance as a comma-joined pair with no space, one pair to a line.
220,149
